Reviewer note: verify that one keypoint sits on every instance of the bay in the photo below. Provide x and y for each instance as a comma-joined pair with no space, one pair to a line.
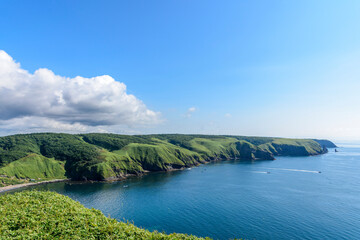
316,197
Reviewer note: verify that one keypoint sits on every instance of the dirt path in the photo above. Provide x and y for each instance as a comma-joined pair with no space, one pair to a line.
16,186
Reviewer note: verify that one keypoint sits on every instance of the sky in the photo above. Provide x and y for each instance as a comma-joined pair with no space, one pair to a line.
257,68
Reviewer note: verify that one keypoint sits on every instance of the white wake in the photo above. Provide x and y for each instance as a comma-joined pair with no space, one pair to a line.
295,170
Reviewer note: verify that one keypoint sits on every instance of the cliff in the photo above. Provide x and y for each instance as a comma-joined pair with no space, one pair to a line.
325,143
111,156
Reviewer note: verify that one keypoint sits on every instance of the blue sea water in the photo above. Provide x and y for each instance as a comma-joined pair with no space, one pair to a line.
283,199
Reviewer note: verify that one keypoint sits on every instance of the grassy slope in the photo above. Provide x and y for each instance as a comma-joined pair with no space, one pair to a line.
292,147
35,166
110,156
48,215
7,181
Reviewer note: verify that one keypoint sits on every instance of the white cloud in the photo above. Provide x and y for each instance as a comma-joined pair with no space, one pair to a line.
190,111
228,115
48,101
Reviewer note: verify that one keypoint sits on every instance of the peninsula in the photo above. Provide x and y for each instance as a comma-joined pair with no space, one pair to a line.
29,158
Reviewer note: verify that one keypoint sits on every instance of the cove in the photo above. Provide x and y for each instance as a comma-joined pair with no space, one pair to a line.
283,199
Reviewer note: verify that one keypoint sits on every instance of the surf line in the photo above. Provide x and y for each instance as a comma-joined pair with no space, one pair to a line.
295,170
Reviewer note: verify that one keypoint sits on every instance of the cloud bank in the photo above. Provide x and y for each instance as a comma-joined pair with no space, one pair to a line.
48,102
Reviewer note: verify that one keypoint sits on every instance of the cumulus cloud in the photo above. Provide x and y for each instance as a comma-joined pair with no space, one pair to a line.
45,100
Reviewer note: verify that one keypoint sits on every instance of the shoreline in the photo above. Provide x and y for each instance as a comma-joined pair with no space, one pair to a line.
109,180
16,186
127,176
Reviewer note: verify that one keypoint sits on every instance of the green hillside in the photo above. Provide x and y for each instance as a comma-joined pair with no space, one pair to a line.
34,166
98,156
48,215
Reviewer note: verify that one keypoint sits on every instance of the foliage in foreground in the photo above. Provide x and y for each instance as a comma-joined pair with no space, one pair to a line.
49,215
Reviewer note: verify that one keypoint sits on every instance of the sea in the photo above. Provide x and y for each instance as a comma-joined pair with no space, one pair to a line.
314,197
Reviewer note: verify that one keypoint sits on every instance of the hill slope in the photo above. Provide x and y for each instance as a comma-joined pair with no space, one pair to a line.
48,215
111,156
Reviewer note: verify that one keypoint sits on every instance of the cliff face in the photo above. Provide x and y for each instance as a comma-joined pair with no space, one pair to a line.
112,156
325,143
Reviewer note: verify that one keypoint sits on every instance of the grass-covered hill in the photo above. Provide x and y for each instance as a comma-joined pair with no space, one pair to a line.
98,156
48,215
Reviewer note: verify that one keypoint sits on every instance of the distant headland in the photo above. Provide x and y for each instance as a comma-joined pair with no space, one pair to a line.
105,157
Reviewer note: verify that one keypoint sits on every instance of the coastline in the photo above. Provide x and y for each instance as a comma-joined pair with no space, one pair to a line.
126,176
16,186
114,157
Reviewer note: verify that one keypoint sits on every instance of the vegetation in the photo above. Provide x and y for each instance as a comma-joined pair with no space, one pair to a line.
34,166
6,181
111,156
48,215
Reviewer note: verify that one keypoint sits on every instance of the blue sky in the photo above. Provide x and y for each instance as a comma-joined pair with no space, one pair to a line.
266,68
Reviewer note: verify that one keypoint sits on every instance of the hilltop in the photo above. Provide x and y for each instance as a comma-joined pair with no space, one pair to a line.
95,156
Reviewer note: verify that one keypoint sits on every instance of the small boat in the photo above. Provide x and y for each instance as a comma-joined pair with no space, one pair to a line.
336,150
125,186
